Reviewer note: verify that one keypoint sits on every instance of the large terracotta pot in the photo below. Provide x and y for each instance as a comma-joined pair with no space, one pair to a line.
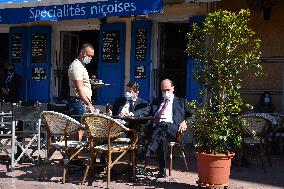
213,170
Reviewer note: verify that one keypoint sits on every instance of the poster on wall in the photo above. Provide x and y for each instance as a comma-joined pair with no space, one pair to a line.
140,72
39,48
141,44
38,73
110,46
16,48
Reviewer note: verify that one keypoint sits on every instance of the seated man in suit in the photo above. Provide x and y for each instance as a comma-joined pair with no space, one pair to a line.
170,113
10,88
131,104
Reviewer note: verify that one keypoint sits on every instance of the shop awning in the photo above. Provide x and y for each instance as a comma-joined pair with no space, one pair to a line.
23,11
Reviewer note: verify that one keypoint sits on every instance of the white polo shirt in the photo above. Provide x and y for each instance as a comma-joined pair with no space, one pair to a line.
77,71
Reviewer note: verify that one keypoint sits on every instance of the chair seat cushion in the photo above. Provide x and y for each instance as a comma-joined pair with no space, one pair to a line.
114,147
122,140
70,144
248,140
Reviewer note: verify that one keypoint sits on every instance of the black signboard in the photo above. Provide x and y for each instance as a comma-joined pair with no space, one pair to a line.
140,72
141,44
39,73
39,48
16,48
110,46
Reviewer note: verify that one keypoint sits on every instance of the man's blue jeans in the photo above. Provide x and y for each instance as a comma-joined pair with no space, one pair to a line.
77,108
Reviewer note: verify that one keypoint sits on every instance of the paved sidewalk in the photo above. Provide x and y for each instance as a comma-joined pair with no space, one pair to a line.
252,177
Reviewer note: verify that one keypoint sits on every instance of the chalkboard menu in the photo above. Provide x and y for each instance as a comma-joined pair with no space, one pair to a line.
16,47
38,73
140,44
140,72
39,48
110,46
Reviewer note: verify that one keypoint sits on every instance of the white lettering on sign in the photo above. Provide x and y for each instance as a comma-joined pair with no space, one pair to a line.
80,10
54,12
116,7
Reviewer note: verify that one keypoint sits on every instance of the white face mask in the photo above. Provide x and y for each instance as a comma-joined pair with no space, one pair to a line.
86,60
128,95
167,95
266,100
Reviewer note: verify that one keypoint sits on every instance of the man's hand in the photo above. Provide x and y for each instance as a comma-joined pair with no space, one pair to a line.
182,127
91,108
126,114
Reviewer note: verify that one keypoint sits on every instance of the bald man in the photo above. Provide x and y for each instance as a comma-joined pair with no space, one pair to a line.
170,113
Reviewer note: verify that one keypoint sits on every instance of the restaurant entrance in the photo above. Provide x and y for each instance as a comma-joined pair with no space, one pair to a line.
173,59
70,45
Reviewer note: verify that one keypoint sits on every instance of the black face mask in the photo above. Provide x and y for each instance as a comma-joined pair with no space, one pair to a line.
11,70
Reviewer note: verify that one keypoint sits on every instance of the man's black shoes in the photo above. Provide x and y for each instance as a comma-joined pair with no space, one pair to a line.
162,173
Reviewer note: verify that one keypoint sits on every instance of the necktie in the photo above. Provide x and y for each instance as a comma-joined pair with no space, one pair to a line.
161,112
8,79
131,107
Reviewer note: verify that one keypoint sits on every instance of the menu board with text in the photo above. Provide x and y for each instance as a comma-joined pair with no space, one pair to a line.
110,46
141,44
140,72
16,48
39,48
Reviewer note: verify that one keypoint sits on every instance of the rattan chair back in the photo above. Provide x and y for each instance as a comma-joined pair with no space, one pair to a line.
256,125
101,127
60,124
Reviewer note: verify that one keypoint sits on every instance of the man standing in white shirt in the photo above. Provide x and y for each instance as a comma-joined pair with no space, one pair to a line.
79,83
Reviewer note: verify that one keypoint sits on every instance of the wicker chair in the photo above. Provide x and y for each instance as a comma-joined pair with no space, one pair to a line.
279,132
104,128
59,125
255,136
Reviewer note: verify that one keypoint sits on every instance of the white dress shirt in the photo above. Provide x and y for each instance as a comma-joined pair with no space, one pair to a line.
167,116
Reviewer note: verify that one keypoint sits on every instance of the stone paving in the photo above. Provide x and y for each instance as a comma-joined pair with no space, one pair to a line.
252,177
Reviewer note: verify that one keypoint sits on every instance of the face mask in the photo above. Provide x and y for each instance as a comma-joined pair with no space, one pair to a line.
128,95
266,100
86,60
167,95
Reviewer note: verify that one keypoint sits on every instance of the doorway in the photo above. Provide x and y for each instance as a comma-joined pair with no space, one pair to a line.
71,43
4,55
4,47
173,59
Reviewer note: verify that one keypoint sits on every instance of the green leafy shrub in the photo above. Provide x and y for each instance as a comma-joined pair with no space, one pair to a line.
223,46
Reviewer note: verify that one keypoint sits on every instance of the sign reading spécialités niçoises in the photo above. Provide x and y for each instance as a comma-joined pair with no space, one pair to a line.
97,9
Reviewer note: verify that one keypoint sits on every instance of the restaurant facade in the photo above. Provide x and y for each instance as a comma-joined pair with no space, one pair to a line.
142,41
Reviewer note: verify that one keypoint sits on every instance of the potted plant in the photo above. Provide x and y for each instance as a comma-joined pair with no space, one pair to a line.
222,47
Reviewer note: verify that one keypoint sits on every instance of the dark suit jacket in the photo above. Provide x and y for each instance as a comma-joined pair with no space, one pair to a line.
120,102
180,111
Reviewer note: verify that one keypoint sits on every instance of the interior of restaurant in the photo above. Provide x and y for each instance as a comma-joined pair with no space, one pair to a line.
173,59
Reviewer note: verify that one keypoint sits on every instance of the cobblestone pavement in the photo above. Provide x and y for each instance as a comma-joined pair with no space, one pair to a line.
25,176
